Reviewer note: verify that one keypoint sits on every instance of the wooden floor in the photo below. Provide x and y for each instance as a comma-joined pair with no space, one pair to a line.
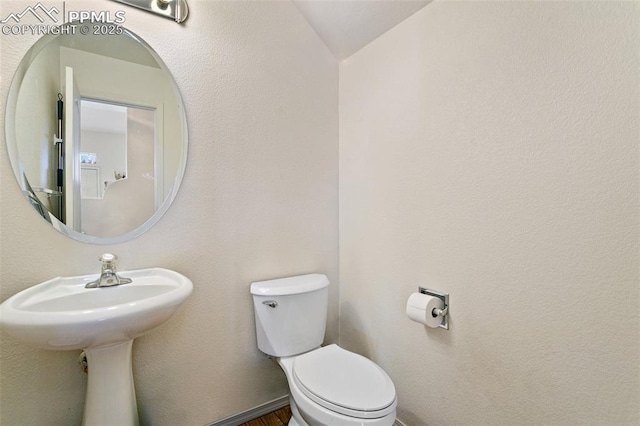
277,418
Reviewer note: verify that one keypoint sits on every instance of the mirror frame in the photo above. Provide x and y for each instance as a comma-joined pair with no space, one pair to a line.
13,152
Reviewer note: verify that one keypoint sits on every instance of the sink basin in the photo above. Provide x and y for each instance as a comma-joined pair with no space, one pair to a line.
61,314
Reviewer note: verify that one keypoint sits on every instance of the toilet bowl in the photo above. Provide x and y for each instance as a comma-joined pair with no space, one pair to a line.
332,386
328,385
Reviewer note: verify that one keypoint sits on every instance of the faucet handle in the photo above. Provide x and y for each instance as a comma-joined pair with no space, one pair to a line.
108,260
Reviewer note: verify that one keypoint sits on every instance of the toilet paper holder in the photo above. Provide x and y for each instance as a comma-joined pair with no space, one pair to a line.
444,312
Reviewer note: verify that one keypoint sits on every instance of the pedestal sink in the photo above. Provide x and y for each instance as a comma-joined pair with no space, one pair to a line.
61,314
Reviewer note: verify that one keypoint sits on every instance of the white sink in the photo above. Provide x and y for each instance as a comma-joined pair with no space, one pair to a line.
61,314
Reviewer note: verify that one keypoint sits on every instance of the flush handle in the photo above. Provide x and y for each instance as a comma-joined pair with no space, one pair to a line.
270,303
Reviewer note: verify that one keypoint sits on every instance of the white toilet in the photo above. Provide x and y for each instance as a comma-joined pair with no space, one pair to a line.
328,385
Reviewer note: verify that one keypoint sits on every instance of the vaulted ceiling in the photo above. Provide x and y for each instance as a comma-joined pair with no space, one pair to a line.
348,25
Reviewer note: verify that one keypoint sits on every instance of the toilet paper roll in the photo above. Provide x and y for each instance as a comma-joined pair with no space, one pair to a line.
420,307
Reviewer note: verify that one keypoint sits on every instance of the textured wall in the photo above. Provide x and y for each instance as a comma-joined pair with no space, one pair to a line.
258,201
490,149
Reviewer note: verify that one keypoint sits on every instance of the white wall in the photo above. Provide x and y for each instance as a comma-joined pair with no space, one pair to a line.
258,201
490,150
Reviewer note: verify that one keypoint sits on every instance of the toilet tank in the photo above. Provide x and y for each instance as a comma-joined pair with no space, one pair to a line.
291,313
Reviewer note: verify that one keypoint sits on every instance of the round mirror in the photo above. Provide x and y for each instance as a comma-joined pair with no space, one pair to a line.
97,134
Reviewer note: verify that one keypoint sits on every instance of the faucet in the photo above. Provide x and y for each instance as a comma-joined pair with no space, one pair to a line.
108,276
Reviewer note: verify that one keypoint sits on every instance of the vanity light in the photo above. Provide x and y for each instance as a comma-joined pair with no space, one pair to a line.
174,9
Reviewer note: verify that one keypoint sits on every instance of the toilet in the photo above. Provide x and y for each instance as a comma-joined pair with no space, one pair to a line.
328,385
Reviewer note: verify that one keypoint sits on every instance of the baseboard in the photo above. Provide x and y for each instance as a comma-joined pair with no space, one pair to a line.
398,423
254,413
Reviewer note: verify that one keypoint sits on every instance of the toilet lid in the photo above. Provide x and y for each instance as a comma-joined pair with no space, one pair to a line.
337,378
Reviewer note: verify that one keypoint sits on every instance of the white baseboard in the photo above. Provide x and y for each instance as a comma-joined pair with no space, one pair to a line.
398,423
254,413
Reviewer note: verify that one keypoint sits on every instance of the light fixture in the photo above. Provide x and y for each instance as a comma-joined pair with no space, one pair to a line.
174,9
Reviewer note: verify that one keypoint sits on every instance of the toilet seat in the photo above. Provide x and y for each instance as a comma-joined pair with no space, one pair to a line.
344,382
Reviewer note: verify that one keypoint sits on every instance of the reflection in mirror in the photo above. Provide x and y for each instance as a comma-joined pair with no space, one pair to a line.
103,135
112,137
96,134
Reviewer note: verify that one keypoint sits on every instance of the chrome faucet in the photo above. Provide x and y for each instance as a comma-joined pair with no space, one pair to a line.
108,276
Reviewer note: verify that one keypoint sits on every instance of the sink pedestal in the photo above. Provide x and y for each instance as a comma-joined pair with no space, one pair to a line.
111,396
